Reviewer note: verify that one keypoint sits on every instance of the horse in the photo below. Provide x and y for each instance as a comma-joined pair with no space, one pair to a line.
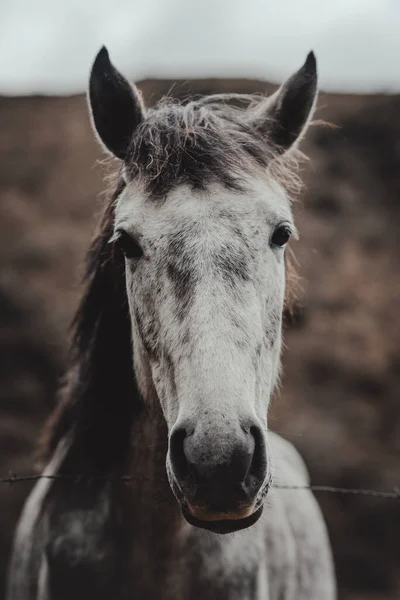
161,479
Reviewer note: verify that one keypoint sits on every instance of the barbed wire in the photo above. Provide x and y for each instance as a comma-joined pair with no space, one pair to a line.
393,494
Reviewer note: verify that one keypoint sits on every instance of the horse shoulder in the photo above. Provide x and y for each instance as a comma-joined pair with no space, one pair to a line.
62,548
299,535
80,553
30,537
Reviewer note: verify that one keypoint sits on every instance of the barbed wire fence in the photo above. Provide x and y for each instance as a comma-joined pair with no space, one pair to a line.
392,494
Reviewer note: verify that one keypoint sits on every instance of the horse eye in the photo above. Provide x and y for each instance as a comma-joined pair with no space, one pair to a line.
281,236
128,245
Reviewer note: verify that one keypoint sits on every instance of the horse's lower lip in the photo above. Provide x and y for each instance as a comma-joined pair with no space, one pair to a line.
224,525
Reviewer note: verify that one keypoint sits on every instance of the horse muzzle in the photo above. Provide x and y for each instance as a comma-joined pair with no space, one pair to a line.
217,479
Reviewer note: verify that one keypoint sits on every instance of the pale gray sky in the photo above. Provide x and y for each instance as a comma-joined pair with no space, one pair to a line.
47,46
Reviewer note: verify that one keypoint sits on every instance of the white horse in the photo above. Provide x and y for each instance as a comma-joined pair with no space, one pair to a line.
175,357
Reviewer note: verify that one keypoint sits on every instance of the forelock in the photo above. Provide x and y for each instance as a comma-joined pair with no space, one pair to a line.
197,143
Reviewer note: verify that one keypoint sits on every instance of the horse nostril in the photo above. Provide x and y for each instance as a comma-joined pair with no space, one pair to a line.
177,453
259,461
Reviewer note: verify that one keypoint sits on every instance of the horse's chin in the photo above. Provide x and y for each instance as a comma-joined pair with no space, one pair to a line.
223,525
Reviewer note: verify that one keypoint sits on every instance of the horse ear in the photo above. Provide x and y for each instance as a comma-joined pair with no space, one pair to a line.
284,117
116,106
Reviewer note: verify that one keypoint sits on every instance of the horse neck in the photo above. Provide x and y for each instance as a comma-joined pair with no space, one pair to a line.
150,495
149,449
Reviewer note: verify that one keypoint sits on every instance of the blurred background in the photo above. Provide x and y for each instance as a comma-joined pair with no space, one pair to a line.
340,398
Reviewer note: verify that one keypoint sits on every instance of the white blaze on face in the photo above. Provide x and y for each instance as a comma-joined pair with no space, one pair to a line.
206,298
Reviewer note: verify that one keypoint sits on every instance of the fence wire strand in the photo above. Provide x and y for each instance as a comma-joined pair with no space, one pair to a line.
393,494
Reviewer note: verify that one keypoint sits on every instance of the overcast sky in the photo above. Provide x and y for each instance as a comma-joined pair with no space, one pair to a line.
47,46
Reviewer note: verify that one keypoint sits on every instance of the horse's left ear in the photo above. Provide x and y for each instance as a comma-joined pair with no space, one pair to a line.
116,106
284,117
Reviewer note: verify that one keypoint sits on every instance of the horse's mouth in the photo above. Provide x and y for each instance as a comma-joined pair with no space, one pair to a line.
223,525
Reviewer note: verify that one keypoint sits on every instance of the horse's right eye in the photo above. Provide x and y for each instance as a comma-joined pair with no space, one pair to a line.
128,245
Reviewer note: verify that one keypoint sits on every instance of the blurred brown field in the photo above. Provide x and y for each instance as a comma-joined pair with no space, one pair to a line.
339,401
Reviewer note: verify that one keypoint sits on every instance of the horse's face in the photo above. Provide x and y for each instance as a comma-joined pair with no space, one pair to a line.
205,277
205,280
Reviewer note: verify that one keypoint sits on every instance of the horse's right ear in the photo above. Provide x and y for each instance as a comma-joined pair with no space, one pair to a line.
116,106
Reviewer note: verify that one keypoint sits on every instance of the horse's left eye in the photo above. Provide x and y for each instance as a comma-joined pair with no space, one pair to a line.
128,245
281,236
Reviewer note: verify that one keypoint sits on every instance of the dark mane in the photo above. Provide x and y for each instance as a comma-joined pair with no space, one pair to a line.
100,398
196,142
